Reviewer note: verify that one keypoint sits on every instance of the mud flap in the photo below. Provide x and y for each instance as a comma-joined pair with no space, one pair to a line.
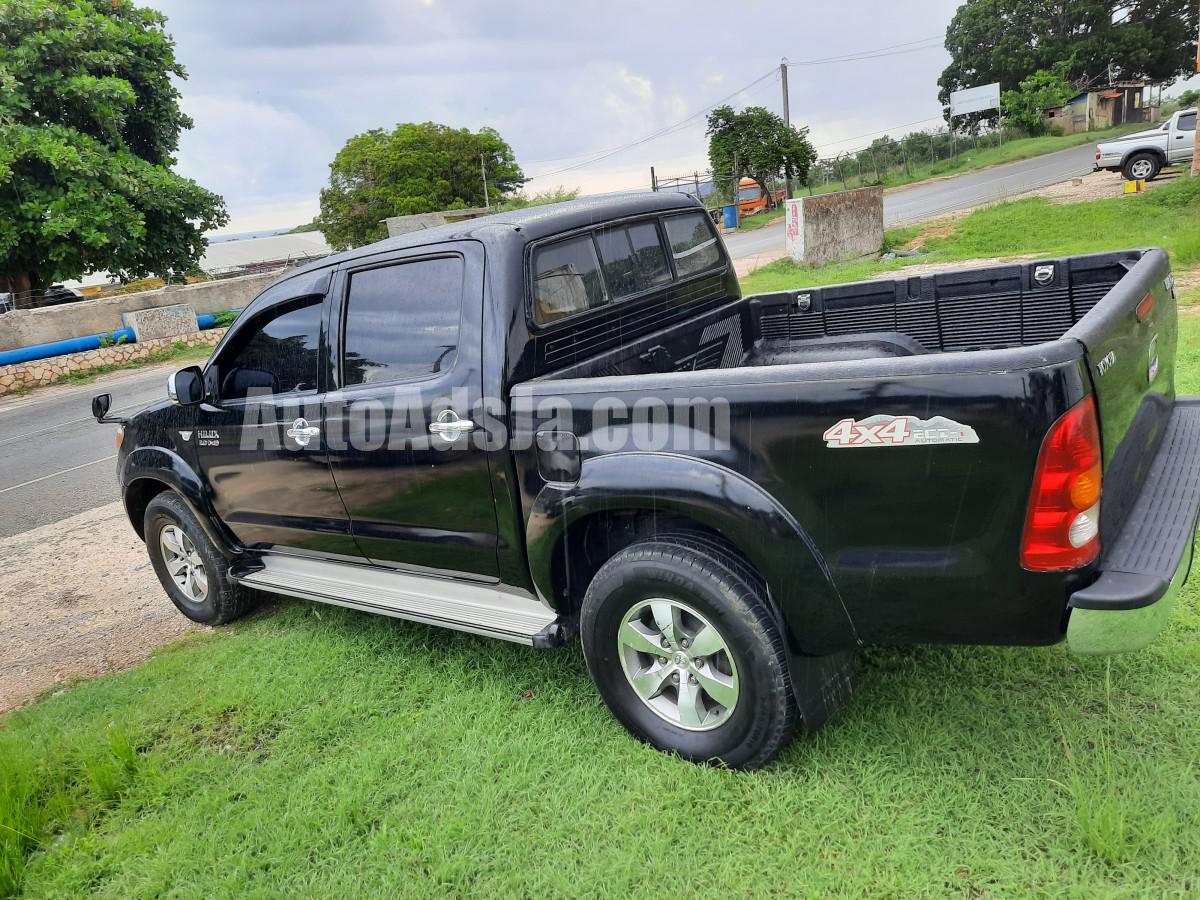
822,685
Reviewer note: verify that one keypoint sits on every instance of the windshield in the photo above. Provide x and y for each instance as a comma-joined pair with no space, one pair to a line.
750,193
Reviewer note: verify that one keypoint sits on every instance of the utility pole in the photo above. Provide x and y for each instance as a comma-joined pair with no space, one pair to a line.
787,120
653,180
483,171
737,199
1196,152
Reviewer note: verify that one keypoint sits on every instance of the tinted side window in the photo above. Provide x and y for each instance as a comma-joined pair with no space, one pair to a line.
693,243
277,353
633,257
402,321
566,280
1188,122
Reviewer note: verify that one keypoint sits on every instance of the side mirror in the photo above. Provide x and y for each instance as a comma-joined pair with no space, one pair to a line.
100,405
186,387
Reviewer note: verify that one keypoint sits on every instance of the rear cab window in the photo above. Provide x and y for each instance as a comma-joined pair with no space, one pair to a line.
615,262
567,279
693,243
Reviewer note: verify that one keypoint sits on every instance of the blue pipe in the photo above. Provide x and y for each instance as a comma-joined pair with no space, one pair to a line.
60,348
83,344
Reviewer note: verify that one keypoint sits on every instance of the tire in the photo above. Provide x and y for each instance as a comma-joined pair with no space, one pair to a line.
173,536
1141,166
731,706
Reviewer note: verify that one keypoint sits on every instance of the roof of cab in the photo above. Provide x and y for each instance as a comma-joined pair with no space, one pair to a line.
520,226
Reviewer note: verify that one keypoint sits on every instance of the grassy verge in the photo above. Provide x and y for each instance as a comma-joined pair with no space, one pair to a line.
974,160
322,752
753,223
1168,217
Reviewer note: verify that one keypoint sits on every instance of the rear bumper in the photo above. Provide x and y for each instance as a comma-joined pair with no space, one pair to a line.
1141,573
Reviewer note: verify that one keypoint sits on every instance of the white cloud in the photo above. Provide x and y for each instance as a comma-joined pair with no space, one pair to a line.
275,96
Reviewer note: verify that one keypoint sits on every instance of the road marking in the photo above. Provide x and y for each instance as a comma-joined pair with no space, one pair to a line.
56,474
37,431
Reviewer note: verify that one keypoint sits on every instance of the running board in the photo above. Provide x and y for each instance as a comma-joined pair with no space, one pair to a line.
479,609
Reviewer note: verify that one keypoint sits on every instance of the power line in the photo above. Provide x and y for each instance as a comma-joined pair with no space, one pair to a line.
869,54
604,154
854,56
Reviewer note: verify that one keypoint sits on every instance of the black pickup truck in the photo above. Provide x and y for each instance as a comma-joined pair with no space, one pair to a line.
568,421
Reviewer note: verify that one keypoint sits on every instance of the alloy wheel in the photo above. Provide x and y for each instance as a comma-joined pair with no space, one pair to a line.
678,664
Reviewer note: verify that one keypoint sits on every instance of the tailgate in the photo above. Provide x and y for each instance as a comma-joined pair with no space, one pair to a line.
1129,339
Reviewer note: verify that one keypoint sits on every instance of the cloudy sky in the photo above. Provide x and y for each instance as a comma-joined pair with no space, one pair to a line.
276,89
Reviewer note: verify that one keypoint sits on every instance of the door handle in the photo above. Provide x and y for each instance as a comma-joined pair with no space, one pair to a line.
301,432
450,426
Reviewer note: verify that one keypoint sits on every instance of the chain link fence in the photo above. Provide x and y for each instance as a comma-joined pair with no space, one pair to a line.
886,160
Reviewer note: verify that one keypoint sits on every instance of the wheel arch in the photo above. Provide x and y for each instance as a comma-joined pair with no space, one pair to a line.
148,472
573,529
1157,152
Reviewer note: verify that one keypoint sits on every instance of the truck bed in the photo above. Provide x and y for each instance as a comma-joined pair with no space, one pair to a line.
989,358
1000,307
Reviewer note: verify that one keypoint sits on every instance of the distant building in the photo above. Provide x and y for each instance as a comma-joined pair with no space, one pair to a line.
1103,107
242,256
398,225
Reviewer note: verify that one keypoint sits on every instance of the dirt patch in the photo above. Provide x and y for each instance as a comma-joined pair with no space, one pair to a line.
78,598
1096,186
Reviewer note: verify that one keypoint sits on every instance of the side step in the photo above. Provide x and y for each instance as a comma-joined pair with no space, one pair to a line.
479,609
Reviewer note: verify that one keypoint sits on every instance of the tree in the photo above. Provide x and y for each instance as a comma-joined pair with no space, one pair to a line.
415,168
764,145
89,126
1042,90
1097,40
557,194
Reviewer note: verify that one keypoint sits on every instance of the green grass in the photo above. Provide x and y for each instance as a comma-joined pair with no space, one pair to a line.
974,160
316,751
1168,216
758,220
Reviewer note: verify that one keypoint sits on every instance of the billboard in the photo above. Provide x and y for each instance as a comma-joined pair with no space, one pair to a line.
976,99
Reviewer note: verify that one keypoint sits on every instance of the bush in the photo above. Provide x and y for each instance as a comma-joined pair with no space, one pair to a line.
1044,89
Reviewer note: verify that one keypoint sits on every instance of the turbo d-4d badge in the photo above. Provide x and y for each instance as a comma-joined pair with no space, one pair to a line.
898,431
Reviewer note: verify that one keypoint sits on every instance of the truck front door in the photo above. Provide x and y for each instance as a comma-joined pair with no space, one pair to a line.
1182,139
406,457
257,436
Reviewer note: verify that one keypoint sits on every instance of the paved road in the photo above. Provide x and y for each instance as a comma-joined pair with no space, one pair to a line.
929,201
55,461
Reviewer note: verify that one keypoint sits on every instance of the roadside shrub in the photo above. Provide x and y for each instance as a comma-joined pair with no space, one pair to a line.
1182,193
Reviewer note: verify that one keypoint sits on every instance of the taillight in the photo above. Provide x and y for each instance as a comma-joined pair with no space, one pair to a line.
1062,526
1097,156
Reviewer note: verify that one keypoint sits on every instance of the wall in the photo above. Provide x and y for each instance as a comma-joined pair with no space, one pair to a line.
25,327
829,227
46,371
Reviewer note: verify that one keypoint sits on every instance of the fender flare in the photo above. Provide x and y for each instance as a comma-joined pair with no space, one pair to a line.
813,617
174,472
1153,151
